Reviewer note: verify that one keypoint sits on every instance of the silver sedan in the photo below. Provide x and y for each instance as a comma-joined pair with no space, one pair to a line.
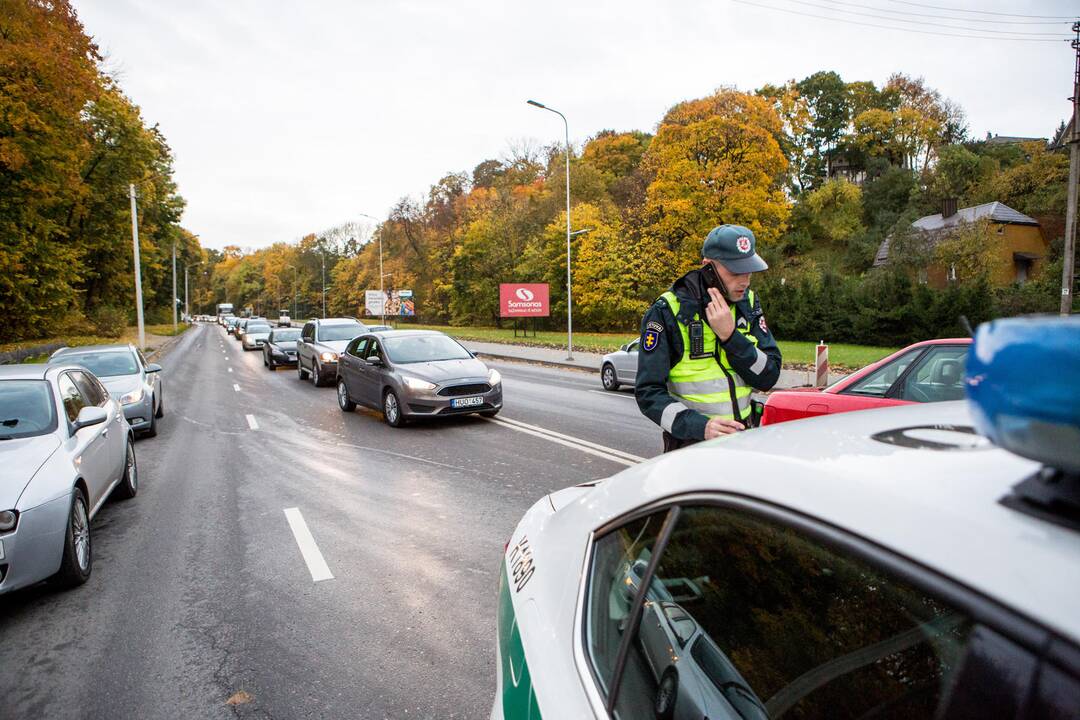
412,374
129,377
620,367
64,448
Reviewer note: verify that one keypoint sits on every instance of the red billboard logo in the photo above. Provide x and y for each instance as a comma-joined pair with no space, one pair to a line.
524,300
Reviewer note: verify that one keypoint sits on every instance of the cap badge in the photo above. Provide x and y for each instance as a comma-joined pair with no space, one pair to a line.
743,243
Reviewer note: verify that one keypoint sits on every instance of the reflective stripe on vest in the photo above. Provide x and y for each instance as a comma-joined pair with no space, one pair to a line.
701,384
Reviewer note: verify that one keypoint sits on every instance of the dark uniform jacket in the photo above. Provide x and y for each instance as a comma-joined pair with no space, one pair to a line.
654,364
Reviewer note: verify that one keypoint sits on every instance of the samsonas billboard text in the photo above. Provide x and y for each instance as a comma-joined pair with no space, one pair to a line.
524,300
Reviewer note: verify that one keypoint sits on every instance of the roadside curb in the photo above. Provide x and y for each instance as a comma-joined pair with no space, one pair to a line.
534,361
167,345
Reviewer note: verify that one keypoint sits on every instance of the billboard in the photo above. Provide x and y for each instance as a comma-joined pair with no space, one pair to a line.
393,302
524,300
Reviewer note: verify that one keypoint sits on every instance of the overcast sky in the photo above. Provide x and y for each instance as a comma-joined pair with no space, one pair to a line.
292,117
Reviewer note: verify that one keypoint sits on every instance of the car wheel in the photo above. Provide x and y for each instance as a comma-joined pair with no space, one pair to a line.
152,430
271,364
160,407
300,369
129,482
343,400
265,362
664,704
78,558
316,375
608,377
392,409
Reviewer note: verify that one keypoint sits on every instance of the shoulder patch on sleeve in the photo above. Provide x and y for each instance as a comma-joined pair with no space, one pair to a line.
650,340
653,325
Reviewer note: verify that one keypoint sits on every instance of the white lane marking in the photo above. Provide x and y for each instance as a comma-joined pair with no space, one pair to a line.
571,438
251,422
608,393
230,369
236,387
316,564
567,443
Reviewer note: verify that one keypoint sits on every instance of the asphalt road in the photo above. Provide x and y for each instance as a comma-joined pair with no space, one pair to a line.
201,594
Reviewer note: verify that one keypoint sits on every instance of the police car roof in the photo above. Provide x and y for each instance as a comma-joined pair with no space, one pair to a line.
939,507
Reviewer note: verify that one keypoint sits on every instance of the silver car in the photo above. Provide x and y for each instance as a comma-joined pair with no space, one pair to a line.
130,378
414,374
620,367
64,448
255,334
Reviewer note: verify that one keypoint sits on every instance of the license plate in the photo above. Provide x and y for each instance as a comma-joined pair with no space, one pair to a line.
466,402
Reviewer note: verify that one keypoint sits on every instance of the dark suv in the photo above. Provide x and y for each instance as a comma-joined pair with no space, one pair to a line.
319,344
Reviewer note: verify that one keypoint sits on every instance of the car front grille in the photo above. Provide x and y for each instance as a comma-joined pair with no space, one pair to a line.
459,390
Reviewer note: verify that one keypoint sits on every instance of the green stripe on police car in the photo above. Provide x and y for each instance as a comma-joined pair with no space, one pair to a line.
518,699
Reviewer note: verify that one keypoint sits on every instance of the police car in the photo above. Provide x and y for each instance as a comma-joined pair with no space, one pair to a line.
911,562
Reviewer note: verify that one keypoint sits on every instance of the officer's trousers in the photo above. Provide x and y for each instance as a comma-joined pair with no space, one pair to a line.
673,443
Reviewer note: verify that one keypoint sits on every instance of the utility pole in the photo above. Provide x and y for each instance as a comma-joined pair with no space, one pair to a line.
174,288
1067,271
138,267
324,282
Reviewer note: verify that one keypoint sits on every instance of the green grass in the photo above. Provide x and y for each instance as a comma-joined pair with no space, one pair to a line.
165,329
130,335
794,352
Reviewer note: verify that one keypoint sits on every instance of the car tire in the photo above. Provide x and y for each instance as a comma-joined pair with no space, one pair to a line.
608,377
392,409
129,481
300,370
77,562
265,363
343,400
271,364
666,693
316,375
160,407
152,430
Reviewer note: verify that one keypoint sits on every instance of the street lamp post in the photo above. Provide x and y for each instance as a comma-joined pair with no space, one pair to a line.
294,289
382,289
187,307
138,266
569,294
174,288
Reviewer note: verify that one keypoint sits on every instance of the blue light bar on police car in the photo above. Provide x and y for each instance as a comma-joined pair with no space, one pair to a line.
1023,381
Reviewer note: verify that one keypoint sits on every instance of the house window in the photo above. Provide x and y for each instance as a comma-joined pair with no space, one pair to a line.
922,276
1000,229
1023,269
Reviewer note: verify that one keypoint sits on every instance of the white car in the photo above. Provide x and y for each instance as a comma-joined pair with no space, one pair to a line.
620,367
888,563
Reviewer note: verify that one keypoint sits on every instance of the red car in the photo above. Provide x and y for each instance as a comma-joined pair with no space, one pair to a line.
928,371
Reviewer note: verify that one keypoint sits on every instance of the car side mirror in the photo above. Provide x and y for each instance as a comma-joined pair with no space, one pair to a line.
376,361
154,367
90,415
624,348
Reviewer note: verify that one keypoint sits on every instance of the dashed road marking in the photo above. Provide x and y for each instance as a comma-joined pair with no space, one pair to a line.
235,387
316,563
230,369
252,422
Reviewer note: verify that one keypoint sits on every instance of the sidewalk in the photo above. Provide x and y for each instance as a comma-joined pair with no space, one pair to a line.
590,362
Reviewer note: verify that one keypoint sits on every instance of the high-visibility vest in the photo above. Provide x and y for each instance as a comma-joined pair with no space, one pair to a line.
704,384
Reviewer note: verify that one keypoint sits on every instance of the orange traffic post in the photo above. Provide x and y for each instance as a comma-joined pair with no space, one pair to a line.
821,364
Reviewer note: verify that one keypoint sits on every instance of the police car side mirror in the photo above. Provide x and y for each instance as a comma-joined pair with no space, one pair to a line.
624,347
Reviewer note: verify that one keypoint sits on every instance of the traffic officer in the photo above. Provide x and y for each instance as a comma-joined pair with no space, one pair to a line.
705,345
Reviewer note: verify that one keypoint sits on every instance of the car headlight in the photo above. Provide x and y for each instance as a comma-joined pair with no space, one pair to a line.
328,357
8,520
132,397
417,383
494,377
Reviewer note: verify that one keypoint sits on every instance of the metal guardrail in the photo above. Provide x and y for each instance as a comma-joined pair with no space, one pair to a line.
17,356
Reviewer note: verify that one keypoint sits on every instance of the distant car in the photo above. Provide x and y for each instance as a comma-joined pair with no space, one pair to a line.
378,328
230,324
280,347
928,371
415,374
64,448
255,335
620,367
909,562
320,342
130,378
283,319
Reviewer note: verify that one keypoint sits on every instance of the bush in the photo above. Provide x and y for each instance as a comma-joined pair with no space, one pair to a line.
109,320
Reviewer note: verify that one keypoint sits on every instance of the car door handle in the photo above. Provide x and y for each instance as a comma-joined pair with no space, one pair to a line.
105,432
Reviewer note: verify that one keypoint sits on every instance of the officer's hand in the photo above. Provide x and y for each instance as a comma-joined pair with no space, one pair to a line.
722,426
718,314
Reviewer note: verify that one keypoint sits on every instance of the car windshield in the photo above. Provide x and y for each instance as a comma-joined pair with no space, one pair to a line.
423,348
254,328
26,409
340,332
104,364
286,335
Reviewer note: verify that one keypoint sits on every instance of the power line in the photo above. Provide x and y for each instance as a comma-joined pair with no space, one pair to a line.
982,12
922,22
945,17
893,27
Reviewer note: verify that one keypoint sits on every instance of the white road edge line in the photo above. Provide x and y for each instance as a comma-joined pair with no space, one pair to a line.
571,438
608,393
316,563
251,422
567,443
236,387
